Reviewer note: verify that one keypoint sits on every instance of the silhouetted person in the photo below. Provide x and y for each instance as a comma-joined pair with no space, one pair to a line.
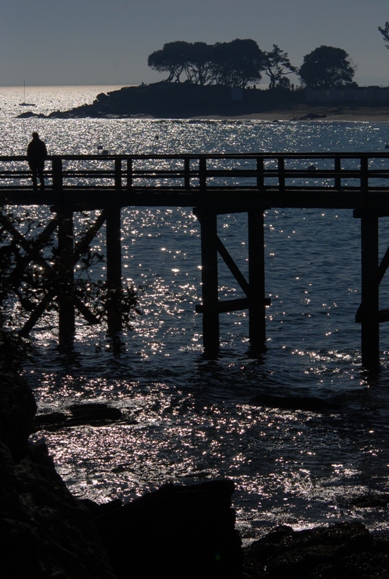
36,155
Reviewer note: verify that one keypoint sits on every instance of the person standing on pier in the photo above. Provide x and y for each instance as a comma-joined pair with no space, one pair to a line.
36,155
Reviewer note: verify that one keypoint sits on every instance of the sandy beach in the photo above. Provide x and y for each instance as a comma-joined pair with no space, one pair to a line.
334,112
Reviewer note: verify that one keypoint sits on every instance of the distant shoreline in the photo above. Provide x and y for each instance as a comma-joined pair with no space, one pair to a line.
308,112
296,113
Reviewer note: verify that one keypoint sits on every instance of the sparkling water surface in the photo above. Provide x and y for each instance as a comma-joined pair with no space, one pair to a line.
186,419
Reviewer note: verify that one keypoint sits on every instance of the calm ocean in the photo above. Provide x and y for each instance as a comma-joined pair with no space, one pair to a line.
187,419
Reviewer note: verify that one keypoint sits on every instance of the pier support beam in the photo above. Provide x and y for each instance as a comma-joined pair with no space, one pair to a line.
256,297
254,289
114,270
369,310
65,279
209,275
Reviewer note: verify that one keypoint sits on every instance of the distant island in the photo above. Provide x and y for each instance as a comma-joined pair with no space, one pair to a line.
185,100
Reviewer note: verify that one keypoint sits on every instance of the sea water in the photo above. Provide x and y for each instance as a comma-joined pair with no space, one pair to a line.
187,419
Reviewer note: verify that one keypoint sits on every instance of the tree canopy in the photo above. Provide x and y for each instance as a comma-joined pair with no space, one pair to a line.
241,62
237,63
232,64
327,66
172,59
276,65
385,33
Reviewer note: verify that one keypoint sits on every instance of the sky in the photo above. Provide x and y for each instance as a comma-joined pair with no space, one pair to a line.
107,42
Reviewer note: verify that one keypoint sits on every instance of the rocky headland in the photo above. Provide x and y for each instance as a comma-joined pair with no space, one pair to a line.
175,100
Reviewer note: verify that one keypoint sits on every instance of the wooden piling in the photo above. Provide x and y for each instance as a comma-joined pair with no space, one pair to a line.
369,310
209,276
114,269
65,276
256,298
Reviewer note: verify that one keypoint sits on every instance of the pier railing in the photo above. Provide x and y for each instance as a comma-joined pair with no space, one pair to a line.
205,172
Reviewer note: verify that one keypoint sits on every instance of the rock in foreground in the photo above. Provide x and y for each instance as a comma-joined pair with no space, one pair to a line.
179,532
44,530
339,551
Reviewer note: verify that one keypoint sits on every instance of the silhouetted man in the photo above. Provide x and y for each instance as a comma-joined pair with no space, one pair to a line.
36,155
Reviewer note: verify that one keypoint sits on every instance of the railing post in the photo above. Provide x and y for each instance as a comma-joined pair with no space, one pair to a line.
118,174
187,173
281,173
364,178
338,168
129,174
203,174
260,173
57,174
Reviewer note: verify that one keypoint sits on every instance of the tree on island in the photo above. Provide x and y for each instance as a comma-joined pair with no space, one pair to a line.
385,33
237,63
231,64
325,67
199,68
172,59
276,65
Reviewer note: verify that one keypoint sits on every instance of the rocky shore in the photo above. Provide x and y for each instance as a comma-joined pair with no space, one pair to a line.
187,101
181,532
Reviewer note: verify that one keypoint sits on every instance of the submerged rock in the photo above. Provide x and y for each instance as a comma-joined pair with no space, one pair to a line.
309,403
95,414
311,117
30,114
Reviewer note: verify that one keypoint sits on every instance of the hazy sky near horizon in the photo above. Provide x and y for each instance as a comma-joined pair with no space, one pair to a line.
107,42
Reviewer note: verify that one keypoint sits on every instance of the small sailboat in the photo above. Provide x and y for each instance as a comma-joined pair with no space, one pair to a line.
24,104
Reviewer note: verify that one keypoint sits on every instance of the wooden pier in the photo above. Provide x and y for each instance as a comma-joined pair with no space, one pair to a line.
211,184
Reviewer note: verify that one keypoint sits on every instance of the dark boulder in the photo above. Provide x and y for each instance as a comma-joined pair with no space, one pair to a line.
341,550
178,532
44,530
17,411
95,414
